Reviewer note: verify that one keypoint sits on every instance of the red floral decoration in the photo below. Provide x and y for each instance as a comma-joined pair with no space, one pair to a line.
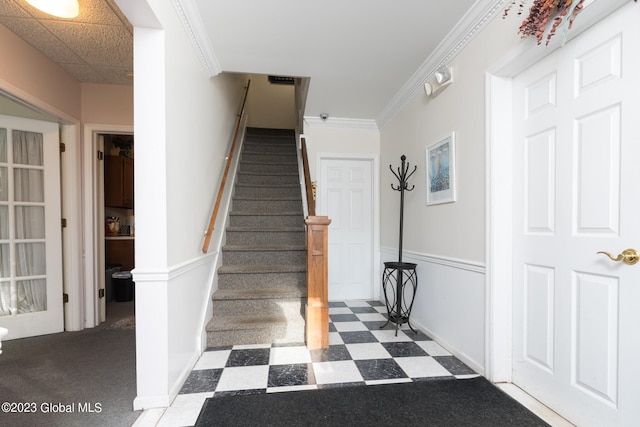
547,15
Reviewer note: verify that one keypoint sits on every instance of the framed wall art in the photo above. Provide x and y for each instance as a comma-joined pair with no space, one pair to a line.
441,177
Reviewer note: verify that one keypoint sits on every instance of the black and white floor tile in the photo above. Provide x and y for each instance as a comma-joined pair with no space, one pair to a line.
359,353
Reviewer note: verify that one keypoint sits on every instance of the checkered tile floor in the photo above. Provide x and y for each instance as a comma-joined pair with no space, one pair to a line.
359,353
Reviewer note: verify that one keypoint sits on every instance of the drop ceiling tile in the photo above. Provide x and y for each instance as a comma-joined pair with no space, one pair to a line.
96,44
95,47
115,75
11,8
83,72
100,12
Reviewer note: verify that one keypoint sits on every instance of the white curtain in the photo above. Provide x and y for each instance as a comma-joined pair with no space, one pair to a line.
28,289
5,274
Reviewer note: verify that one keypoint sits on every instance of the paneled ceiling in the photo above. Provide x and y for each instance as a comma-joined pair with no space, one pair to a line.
95,47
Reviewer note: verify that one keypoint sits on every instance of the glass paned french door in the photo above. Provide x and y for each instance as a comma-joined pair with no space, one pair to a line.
30,236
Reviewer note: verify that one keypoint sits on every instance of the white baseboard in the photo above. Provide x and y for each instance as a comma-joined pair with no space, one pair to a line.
151,402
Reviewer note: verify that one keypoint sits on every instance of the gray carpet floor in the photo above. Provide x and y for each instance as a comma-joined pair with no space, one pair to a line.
83,378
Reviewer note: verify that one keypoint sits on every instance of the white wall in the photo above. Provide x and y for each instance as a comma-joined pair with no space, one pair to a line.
107,104
184,123
441,229
326,137
448,240
270,105
27,74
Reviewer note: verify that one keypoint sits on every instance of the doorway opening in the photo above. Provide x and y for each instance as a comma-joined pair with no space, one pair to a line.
116,199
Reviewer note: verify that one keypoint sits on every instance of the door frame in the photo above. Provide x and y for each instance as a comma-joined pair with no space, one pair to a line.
71,192
93,214
499,203
373,160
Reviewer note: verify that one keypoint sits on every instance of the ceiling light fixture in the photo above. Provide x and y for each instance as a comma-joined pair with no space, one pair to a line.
59,8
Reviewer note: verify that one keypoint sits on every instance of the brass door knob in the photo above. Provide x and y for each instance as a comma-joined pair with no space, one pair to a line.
628,256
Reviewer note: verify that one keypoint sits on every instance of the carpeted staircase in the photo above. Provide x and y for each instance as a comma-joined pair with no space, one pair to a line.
262,281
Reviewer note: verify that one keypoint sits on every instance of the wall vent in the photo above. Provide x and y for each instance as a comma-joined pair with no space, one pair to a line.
282,80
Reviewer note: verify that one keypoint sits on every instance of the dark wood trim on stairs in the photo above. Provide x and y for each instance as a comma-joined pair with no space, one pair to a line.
317,309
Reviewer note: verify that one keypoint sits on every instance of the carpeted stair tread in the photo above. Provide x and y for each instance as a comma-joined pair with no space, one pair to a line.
279,173
249,213
270,131
288,158
267,148
252,269
278,161
255,329
242,184
267,205
268,198
255,149
247,322
266,248
262,280
267,230
272,141
262,294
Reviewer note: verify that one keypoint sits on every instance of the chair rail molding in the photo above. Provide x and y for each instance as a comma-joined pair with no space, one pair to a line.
461,264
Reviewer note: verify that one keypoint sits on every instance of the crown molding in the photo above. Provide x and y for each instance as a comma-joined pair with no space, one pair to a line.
192,23
478,16
340,123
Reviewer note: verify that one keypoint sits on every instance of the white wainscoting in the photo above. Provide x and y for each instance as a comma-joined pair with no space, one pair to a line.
172,308
450,303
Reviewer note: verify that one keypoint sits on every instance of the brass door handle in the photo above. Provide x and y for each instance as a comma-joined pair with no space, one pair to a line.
628,256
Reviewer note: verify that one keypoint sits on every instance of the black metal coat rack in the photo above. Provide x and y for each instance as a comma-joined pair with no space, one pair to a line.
403,176
400,276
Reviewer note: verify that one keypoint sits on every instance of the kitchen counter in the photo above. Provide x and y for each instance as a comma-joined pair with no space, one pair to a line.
119,237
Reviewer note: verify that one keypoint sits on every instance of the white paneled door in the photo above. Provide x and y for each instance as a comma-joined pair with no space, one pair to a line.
576,313
30,228
346,196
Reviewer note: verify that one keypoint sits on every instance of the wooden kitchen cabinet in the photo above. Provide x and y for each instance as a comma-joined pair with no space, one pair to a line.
120,251
118,182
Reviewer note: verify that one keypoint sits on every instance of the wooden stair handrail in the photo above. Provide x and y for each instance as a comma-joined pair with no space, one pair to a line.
214,214
311,201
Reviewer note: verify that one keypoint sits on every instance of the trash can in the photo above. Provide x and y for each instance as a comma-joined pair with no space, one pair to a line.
108,282
122,286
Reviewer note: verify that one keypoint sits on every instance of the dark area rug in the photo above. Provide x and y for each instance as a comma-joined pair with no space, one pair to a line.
446,402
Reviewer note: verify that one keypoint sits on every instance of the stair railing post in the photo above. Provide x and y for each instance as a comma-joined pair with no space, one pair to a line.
317,308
